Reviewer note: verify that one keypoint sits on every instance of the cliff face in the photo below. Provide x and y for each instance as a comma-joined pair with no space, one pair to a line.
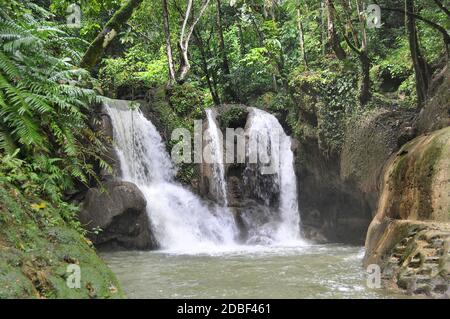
338,192
339,188
410,235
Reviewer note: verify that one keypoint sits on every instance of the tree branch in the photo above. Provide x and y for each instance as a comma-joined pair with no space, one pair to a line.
107,35
430,23
442,7
186,18
202,10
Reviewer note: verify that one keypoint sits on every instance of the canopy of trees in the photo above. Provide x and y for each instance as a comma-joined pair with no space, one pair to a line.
52,73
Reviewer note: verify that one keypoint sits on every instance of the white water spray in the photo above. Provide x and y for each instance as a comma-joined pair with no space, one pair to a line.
181,222
215,146
274,147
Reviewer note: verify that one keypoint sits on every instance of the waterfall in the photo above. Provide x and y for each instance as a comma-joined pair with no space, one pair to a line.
216,155
180,221
274,172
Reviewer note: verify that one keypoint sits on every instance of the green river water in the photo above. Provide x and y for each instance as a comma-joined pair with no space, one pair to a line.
313,271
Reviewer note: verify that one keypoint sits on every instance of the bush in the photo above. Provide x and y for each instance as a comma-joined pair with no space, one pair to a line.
45,103
327,96
186,100
235,117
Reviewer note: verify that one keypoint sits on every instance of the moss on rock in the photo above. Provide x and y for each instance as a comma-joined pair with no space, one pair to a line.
37,246
410,236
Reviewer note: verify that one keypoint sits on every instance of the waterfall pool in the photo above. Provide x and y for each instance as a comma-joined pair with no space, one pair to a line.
203,260
311,271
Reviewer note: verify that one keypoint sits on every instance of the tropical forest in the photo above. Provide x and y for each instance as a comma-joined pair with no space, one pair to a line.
224,149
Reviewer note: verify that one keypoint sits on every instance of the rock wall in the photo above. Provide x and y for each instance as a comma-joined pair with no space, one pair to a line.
340,187
436,113
410,235
338,192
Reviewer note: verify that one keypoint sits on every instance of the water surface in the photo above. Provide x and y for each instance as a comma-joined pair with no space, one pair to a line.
312,271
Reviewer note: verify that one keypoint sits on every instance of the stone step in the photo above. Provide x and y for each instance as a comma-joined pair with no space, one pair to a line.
432,260
394,260
425,271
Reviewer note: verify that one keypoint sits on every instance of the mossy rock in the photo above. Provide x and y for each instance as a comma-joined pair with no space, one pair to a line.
185,99
36,248
418,180
411,231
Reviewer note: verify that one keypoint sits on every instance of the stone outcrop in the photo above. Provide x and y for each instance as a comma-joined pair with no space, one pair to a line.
410,235
116,217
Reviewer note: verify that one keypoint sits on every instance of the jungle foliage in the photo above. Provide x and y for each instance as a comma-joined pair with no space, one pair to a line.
320,62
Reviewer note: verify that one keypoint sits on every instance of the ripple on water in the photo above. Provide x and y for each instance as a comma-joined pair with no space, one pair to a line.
308,271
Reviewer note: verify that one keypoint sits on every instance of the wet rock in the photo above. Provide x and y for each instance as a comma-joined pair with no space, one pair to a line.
111,157
339,191
116,217
412,225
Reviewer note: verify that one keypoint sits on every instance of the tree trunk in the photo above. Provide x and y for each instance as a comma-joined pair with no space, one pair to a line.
365,89
228,90
365,94
168,44
421,67
185,65
106,36
442,7
332,35
437,27
348,15
185,37
204,62
301,37
323,29
241,37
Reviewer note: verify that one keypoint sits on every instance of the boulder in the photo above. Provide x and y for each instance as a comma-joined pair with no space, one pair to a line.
410,235
116,217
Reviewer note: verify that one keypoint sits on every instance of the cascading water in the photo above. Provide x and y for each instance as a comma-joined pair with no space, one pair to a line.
181,222
216,158
275,163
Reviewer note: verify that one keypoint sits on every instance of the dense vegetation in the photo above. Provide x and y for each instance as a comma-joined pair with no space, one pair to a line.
273,54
